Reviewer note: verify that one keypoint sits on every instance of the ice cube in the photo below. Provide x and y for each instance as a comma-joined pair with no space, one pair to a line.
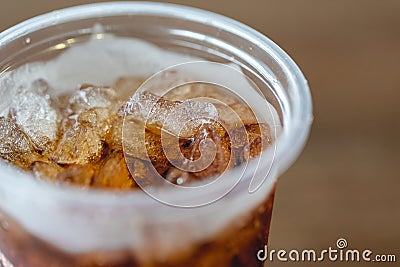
81,175
125,87
90,96
144,145
114,173
84,137
46,170
201,89
33,111
147,106
188,117
15,145
231,108
79,145
142,171
221,158
114,137
181,119
177,133
236,115
186,154
245,113
98,119
259,136
155,151
233,148
166,82
177,136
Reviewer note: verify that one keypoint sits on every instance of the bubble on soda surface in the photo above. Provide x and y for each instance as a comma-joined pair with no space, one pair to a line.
15,145
33,110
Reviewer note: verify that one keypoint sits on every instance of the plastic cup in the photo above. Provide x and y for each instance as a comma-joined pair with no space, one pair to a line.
46,225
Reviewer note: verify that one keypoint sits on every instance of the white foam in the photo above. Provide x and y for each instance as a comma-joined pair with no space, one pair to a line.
103,61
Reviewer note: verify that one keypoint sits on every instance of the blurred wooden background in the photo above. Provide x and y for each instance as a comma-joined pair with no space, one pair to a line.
347,181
